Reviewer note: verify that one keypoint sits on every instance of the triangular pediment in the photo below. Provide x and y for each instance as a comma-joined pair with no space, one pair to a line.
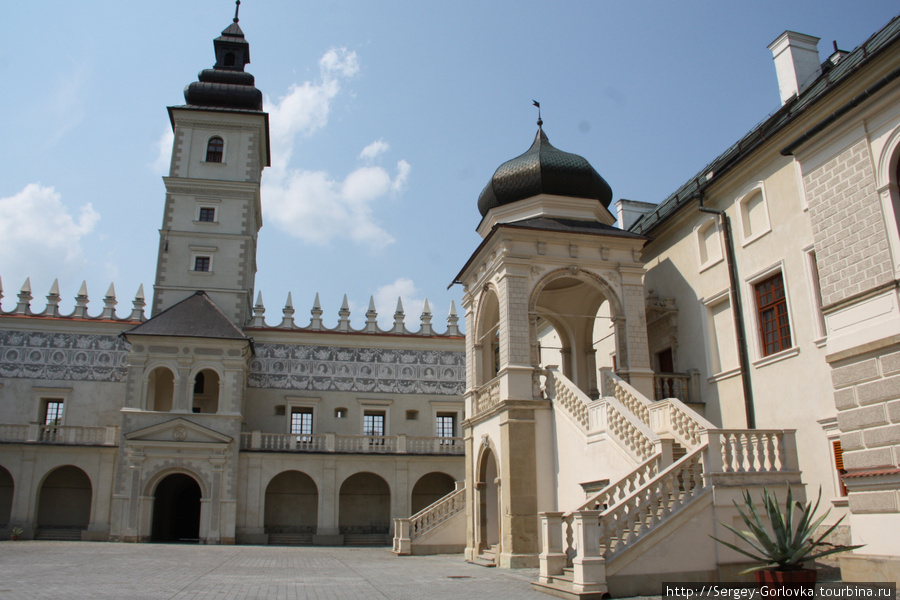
178,430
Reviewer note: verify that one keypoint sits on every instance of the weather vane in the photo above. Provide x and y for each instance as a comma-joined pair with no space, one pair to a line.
237,7
540,121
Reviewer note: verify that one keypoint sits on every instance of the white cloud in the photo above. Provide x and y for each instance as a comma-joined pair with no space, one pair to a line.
374,149
386,303
163,159
316,206
39,236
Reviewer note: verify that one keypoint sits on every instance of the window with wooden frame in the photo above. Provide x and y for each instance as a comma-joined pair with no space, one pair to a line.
302,423
373,424
202,263
772,314
839,464
215,149
207,214
445,425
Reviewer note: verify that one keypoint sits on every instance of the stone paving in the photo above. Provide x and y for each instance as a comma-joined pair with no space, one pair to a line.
66,570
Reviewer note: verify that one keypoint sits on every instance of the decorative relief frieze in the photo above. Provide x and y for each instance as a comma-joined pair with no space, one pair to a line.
337,368
62,356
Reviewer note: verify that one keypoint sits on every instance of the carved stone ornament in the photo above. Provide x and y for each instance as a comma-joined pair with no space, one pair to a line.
179,434
486,441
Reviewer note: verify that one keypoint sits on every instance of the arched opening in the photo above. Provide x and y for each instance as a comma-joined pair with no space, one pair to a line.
430,488
215,149
292,508
487,489
229,59
576,328
6,497
206,392
176,510
64,504
365,509
487,341
160,389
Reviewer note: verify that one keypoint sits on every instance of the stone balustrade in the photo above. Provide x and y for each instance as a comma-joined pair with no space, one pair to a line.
76,435
566,395
752,450
632,399
351,444
672,385
406,531
633,435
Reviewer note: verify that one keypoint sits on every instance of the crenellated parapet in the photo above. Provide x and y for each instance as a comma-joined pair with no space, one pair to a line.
23,307
344,326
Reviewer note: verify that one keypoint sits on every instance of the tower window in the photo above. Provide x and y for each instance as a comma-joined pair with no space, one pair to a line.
215,149
229,59
201,263
207,214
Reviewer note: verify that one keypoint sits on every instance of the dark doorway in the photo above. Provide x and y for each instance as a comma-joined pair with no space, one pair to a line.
176,510
666,361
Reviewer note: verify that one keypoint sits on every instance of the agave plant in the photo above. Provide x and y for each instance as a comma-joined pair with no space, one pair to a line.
788,545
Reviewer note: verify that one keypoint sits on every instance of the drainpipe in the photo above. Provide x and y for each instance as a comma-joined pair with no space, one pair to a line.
735,296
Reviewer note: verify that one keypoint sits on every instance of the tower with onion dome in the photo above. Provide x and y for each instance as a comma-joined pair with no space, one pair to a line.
212,210
551,268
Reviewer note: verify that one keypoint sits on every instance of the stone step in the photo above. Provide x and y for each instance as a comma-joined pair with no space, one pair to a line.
290,539
562,588
61,534
367,539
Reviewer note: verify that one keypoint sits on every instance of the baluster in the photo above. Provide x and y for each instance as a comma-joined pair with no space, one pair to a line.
727,453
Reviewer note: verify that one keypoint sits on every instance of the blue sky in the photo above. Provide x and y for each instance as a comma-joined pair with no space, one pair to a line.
388,118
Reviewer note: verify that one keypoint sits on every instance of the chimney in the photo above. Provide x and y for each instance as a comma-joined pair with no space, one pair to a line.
796,62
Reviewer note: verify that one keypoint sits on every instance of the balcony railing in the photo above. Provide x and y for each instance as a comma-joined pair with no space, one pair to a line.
76,435
684,386
351,444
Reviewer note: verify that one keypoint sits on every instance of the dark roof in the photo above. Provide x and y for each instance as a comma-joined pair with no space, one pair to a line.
227,85
195,316
829,81
543,169
571,226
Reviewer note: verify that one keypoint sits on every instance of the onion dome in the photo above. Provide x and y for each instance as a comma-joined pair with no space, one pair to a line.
543,169
226,85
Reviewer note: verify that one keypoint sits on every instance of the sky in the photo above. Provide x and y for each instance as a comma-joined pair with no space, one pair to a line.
387,120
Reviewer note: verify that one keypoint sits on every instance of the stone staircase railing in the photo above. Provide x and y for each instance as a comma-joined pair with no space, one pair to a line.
406,531
568,396
627,430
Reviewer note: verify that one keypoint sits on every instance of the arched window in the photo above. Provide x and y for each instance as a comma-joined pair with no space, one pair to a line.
215,149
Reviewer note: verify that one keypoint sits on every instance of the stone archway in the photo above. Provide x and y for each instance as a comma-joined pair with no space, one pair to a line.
176,510
291,508
64,504
160,390
7,487
487,501
365,508
430,488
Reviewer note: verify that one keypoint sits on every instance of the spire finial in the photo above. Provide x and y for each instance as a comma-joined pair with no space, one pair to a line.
540,121
237,7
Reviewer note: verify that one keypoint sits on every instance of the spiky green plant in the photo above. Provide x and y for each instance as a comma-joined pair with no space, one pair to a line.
788,546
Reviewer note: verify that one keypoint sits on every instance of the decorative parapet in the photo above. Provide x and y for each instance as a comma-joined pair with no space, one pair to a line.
23,306
351,444
344,326
487,396
69,435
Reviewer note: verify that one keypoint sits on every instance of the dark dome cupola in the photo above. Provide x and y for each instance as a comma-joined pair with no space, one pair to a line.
543,169
226,85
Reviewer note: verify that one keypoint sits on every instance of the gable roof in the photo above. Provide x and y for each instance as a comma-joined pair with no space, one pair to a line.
829,81
195,316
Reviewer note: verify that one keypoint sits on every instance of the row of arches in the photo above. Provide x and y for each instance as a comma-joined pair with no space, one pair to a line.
364,506
291,503
204,391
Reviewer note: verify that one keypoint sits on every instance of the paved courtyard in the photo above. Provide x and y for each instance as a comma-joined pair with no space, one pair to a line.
63,570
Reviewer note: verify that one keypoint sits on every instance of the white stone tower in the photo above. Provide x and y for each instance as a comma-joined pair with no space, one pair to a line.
550,260
212,211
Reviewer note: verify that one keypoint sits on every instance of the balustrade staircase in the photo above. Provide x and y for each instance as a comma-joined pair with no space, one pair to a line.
436,528
620,528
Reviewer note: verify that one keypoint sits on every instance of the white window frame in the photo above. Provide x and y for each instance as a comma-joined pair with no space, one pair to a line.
372,405
42,395
742,198
454,408
292,402
815,297
206,148
833,434
216,205
758,358
711,221
200,252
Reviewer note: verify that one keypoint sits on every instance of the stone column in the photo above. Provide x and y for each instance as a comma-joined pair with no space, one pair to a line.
327,531
519,534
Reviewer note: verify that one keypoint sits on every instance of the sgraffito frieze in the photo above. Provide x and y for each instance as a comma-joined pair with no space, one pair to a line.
62,356
337,368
